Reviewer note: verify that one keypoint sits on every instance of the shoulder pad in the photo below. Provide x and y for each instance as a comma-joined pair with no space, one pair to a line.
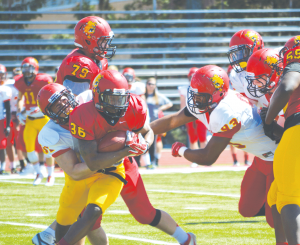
48,136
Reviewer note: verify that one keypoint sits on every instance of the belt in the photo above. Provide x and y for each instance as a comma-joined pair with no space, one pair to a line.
292,121
108,171
33,118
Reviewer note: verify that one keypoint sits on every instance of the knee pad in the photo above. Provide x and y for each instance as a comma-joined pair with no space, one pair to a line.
156,218
33,157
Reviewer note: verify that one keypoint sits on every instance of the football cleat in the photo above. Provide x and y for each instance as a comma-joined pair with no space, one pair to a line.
43,238
236,164
50,181
38,179
247,163
14,171
151,166
2,172
194,165
191,240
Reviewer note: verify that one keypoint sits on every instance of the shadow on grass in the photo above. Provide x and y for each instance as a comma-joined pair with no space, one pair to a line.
227,222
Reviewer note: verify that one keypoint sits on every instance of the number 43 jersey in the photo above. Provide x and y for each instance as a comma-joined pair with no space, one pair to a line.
235,118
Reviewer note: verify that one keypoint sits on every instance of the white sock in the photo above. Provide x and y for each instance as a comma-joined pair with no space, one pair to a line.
3,165
180,235
50,231
158,155
11,165
37,168
50,170
146,158
29,165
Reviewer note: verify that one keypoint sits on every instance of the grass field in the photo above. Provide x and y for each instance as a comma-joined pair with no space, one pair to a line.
199,206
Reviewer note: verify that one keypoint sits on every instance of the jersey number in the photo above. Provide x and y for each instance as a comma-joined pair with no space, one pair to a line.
83,72
28,95
77,130
233,123
294,54
46,150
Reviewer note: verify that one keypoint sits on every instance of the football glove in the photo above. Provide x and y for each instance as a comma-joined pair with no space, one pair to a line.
137,143
268,128
176,147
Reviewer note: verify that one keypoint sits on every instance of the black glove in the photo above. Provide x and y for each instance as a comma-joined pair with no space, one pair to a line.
7,131
268,128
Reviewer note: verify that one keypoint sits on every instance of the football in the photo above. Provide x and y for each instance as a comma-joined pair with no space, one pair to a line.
113,141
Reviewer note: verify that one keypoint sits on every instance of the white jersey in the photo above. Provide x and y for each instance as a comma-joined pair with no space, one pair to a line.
56,140
14,95
235,118
5,95
238,80
183,90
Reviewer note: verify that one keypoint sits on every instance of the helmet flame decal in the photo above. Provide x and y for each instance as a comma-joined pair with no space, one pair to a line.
217,81
252,35
96,81
89,29
271,61
297,40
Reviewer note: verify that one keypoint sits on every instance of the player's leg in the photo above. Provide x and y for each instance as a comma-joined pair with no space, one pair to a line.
50,169
103,193
10,148
98,237
137,201
253,190
246,159
191,128
152,151
286,173
21,151
159,147
233,154
201,132
3,143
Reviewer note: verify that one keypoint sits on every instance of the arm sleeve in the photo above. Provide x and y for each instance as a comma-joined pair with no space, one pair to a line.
188,113
80,124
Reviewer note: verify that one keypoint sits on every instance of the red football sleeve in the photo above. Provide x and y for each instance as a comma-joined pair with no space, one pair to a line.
80,124
139,112
229,134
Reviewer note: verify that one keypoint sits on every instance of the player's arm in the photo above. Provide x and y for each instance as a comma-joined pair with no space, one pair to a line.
290,81
96,160
169,122
68,161
148,134
208,155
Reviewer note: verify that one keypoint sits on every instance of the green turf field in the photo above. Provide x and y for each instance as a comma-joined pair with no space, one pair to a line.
214,219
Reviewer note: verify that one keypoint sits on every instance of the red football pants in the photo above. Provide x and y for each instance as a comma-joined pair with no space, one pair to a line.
196,131
254,189
135,195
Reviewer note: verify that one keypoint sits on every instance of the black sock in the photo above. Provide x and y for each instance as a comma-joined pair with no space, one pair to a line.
27,160
42,163
22,164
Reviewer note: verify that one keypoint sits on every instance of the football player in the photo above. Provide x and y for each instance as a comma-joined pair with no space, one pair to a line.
227,115
93,38
196,130
5,116
284,191
117,110
56,102
29,84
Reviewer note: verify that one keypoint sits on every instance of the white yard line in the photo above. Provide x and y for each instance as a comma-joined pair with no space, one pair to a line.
149,241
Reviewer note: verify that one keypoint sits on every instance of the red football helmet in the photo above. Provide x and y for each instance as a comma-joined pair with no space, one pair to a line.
110,94
29,67
209,85
290,44
49,95
94,35
263,71
192,72
3,74
129,74
242,44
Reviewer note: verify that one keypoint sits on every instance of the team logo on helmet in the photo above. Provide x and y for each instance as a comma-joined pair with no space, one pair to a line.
217,81
271,61
89,29
252,35
97,81
297,40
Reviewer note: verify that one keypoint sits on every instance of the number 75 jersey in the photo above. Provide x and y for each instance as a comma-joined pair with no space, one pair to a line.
235,118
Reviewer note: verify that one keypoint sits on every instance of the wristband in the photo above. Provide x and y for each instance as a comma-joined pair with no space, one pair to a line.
182,150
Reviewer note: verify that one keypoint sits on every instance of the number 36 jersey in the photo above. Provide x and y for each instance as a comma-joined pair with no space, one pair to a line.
235,118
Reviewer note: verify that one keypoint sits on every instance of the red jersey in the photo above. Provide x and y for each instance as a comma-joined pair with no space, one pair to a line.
77,71
88,124
31,91
291,63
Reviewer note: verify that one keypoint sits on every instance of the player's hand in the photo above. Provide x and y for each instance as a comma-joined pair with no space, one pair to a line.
137,143
7,131
175,149
21,118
